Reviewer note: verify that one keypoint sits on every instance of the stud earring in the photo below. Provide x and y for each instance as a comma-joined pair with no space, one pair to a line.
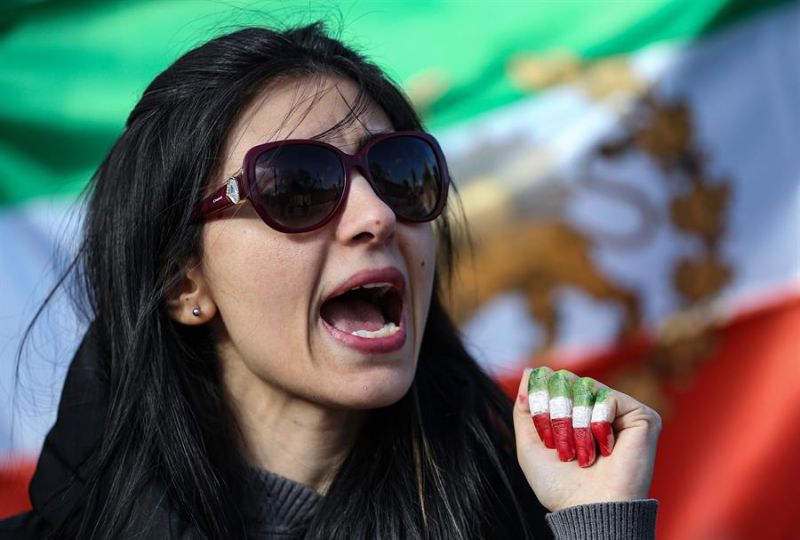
196,311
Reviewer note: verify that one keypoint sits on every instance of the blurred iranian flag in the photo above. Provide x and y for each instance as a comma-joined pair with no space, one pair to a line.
629,170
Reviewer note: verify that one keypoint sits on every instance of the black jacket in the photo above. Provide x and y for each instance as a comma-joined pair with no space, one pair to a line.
64,462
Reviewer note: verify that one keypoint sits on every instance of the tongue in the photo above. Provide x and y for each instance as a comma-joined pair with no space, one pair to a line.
351,314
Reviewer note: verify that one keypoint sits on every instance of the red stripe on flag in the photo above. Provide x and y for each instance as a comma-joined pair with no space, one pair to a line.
15,475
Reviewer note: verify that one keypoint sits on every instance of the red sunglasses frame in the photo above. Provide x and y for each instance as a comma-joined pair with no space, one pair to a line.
238,187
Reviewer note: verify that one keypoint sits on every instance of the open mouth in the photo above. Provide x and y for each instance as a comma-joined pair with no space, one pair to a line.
372,310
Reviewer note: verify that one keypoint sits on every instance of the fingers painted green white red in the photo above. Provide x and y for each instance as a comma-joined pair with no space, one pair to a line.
583,399
560,388
571,413
603,414
539,403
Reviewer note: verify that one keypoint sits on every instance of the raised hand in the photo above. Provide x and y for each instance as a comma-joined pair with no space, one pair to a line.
575,416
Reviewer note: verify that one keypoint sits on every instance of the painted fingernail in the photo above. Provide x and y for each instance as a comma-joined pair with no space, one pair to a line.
583,400
560,389
539,402
602,415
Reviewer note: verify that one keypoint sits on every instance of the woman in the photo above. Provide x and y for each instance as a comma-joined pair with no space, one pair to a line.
269,356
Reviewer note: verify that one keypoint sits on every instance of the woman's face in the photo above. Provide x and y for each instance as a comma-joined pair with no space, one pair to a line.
280,325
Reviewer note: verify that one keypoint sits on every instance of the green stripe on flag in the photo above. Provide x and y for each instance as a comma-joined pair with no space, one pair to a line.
71,71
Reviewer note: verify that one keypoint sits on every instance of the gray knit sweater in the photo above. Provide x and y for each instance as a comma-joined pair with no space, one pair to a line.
278,508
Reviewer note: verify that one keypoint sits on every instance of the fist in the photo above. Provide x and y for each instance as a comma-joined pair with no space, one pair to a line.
580,442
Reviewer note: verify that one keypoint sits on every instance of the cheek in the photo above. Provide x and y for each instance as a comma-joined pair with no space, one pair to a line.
422,264
255,278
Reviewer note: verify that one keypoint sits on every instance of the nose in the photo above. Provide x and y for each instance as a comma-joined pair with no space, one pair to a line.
365,217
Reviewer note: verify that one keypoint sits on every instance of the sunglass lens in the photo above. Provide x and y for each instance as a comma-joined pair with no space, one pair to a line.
300,186
407,176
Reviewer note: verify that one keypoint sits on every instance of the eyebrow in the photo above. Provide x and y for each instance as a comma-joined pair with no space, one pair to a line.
362,141
367,137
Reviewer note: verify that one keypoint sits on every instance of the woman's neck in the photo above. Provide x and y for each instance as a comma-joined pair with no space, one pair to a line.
290,436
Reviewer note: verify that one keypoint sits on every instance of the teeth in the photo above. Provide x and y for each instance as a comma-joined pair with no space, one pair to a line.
384,287
387,330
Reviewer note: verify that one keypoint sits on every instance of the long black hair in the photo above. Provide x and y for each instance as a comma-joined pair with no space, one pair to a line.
437,464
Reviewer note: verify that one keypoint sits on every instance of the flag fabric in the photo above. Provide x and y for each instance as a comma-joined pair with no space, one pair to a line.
628,169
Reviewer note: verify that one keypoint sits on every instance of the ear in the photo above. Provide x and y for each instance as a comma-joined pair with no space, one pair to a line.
190,302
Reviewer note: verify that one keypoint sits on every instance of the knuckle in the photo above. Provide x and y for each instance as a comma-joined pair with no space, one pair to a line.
654,419
659,423
567,376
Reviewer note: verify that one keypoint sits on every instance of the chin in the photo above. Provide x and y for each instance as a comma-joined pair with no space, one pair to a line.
376,390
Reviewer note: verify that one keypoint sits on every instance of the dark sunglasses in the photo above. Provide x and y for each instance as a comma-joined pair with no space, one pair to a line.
299,185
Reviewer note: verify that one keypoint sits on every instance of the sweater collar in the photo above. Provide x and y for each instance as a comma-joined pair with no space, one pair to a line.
274,505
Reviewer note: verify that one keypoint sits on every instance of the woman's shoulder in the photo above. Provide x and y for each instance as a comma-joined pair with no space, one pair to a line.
58,488
22,526
162,523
